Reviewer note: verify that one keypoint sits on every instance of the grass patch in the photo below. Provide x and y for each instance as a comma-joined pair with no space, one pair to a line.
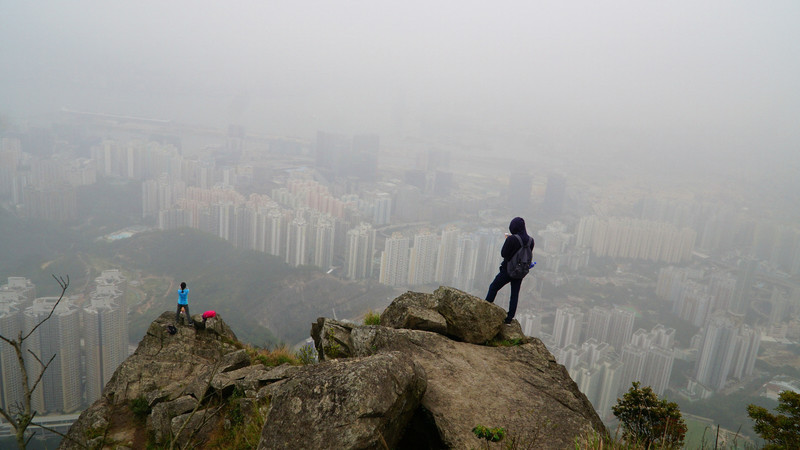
273,357
372,318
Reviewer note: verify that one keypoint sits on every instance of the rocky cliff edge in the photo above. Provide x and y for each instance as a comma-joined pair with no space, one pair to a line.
437,366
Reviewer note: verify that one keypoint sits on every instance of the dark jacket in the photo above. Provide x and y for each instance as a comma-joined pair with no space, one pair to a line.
511,245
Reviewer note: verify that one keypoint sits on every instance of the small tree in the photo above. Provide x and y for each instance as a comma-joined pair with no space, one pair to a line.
648,420
780,431
21,415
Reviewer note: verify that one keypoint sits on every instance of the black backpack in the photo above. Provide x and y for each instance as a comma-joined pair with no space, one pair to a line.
520,263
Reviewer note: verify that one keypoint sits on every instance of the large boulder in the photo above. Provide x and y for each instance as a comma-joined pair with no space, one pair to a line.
331,338
518,387
469,318
447,311
359,403
414,311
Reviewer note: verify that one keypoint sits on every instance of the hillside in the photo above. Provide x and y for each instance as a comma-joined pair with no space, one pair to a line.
255,291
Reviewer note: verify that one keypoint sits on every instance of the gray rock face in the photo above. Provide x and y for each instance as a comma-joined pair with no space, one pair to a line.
169,372
360,403
520,388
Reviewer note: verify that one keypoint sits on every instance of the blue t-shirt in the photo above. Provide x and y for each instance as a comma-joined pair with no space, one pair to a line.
183,296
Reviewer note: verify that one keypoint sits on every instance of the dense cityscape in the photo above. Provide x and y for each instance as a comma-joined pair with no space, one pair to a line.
605,295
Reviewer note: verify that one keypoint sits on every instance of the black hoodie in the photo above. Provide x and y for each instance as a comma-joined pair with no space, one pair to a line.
511,245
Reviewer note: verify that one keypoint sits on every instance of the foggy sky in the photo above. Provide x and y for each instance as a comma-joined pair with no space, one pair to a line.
713,78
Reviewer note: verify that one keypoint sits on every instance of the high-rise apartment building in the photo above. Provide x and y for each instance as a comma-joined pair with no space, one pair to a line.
567,326
716,353
324,233
296,242
395,261
422,260
11,391
57,338
466,262
620,327
360,249
446,262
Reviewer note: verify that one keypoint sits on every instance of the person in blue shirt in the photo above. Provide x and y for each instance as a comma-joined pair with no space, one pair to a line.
183,302
510,246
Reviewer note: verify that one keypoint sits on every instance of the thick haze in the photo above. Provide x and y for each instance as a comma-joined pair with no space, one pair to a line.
715,78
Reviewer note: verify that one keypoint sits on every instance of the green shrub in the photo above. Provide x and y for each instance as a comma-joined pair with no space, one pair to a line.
372,318
140,408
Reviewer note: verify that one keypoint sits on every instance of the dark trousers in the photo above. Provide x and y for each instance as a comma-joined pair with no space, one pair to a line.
501,280
178,314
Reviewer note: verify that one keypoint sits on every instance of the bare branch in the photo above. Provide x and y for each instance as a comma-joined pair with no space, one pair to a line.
64,283
54,431
41,374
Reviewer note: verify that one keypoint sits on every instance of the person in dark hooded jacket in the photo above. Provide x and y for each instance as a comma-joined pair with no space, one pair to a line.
510,246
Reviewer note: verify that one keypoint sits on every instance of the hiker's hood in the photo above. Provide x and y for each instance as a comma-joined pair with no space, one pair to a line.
517,226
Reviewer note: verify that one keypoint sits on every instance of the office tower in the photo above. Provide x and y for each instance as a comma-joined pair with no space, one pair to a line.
296,242
620,327
394,261
446,262
360,249
519,192
422,259
744,287
716,353
57,338
598,324
567,326
324,243
466,262
554,193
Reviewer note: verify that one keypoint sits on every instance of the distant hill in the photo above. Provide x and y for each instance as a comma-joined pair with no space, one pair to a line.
256,292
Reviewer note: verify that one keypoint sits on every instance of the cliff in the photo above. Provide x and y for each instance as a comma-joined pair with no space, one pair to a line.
437,366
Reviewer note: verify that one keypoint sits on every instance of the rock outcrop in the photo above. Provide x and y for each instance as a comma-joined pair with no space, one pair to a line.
516,384
437,366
